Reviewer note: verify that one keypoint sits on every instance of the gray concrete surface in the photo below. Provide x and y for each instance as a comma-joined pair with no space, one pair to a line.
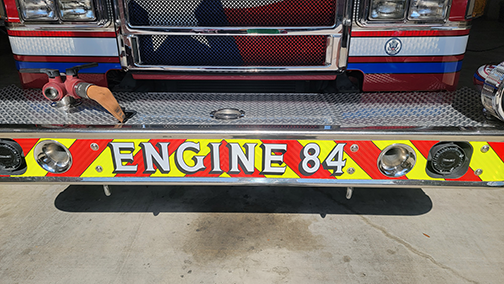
49,234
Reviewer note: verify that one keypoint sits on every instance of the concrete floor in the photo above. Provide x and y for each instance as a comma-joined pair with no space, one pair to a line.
175,234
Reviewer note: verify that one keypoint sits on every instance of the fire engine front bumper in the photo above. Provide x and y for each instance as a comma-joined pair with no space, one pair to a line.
358,139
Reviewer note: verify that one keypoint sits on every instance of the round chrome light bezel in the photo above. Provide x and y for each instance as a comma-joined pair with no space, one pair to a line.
53,156
492,93
396,160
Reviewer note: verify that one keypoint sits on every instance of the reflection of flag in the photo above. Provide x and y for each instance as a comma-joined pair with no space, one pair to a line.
217,13
214,50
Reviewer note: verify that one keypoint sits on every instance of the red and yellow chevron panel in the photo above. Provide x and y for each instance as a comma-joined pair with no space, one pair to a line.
251,158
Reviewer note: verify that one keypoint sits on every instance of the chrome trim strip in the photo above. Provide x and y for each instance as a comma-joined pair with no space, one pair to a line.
253,182
322,132
125,16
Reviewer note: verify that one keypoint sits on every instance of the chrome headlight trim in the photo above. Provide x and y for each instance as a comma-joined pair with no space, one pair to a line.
100,15
38,10
419,10
77,11
384,10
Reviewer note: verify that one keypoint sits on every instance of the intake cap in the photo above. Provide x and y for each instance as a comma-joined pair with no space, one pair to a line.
11,158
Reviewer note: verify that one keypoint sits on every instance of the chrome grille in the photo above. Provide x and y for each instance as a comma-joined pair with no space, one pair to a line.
231,13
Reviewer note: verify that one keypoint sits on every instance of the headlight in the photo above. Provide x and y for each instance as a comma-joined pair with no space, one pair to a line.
52,10
71,10
387,9
427,10
39,10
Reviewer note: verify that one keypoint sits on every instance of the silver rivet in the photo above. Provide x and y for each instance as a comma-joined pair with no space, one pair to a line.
99,169
478,172
485,149
354,148
351,171
94,147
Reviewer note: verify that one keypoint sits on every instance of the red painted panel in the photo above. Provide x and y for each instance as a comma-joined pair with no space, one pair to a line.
409,33
11,11
26,144
458,10
424,146
498,147
410,82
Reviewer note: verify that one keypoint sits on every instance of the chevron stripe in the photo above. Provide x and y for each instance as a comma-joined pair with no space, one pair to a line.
99,163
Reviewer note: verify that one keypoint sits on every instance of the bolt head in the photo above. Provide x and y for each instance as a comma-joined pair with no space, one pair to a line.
351,171
94,147
478,172
99,169
485,149
354,148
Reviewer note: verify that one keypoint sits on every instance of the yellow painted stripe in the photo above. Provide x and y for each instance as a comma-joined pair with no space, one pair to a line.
489,163
359,172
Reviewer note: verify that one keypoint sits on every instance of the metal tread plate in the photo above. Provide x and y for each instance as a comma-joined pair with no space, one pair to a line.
460,109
